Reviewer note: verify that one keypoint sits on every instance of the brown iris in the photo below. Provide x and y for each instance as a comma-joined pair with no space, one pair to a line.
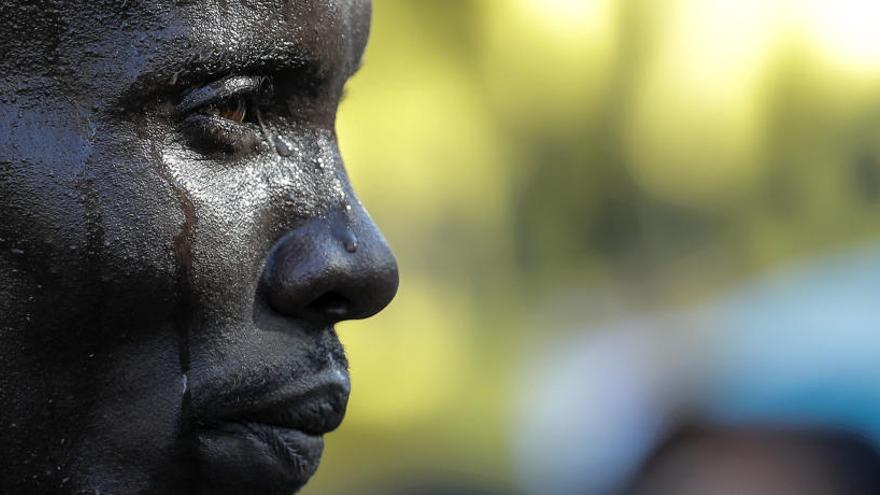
234,109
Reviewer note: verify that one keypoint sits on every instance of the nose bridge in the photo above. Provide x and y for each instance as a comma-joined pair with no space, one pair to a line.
334,267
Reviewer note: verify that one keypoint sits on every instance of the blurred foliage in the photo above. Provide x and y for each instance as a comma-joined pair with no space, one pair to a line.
539,162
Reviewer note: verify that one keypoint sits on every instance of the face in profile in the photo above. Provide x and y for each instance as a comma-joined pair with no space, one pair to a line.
179,238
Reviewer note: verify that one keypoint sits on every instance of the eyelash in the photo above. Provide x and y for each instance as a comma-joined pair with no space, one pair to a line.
226,114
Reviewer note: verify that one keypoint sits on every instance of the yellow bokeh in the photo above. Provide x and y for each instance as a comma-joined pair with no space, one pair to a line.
545,62
535,163
697,121
413,360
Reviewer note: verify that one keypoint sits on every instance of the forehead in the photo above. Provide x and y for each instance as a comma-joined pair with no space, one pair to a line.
314,29
122,43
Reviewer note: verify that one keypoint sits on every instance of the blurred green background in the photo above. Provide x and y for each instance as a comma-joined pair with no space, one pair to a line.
538,163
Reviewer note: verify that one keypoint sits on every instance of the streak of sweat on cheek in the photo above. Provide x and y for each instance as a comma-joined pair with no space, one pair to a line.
184,318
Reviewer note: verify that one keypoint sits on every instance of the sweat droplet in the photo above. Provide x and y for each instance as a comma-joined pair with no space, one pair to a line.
281,147
350,241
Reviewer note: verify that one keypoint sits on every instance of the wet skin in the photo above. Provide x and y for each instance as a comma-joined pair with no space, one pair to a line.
178,239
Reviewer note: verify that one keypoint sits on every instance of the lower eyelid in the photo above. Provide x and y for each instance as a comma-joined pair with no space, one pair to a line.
215,133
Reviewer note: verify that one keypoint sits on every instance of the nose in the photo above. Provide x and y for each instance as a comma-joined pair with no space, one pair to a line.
332,268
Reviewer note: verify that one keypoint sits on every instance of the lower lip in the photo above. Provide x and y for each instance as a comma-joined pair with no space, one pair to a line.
256,458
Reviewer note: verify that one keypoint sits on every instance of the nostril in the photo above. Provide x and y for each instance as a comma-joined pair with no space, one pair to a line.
332,305
331,268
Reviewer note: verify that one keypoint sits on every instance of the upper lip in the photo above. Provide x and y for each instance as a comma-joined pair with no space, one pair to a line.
314,406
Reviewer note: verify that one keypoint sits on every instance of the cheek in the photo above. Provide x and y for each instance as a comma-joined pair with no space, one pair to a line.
133,225
241,206
42,157
256,198
85,264
87,226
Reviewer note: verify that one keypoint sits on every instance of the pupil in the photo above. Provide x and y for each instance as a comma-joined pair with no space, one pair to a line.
234,110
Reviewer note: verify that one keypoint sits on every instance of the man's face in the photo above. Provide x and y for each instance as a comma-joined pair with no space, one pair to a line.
178,239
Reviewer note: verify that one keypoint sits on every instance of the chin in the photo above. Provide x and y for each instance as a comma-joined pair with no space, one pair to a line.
250,458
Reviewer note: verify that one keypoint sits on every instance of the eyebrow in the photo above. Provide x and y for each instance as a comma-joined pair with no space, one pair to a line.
179,65
175,68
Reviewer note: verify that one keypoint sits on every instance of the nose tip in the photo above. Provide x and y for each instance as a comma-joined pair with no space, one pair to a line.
333,268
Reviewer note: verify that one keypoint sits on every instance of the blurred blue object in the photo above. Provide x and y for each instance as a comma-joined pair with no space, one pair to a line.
799,347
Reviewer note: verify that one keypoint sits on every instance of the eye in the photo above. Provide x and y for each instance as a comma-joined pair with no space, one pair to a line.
234,109
223,116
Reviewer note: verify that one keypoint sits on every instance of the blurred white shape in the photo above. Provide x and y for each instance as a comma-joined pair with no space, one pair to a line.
846,31
591,407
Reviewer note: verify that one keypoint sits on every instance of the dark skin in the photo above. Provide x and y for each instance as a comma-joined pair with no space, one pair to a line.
178,240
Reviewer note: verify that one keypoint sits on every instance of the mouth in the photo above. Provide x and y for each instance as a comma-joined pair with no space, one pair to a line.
273,444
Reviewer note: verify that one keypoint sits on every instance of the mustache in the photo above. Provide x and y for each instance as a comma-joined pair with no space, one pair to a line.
241,382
